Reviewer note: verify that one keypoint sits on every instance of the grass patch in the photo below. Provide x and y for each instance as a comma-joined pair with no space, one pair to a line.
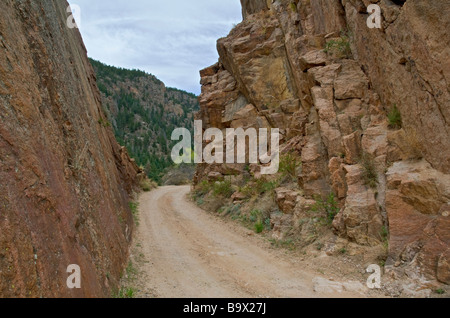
134,207
233,209
293,6
125,292
223,188
202,189
263,186
440,291
147,185
287,244
104,123
395,118
384,234
370,172
267,224
414,145
329,207
255,216
255,220
131,270
258,187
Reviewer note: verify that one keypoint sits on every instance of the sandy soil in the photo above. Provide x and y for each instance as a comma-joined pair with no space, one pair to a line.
190,253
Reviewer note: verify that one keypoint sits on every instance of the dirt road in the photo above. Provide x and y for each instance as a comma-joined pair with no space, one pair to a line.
193,254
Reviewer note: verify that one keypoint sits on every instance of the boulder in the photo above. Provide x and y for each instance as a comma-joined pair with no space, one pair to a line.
351,82
360,220
286,199
281,225
312,59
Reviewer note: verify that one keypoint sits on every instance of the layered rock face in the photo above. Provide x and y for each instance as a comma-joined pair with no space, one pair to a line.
65,183
315,70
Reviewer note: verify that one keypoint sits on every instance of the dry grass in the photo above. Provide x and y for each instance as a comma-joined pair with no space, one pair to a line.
147,185
413,144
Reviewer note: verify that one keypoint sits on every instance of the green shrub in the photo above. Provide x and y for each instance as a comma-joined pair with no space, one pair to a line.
234,209
329,207
203,188
263,186
395,118
255,215
339,47
259,227
289,164
223,188
147,185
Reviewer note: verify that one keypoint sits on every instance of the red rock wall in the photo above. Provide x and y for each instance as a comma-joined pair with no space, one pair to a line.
65,183
332,110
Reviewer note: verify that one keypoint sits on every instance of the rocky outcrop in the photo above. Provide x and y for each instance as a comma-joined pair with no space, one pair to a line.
316,71
418,205
65,182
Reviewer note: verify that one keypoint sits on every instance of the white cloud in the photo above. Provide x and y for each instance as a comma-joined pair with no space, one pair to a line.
172,40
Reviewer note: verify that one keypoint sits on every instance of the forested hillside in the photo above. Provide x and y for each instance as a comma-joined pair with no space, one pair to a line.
143,113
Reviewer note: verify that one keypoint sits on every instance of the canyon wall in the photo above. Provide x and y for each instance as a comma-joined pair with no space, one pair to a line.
65,183
365,110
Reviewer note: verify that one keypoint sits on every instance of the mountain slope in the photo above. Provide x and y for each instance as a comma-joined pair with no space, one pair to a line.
143,113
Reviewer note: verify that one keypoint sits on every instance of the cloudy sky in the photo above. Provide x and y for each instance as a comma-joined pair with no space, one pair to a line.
172,40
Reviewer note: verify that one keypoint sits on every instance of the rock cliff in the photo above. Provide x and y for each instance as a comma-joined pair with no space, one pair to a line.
366,111
65,183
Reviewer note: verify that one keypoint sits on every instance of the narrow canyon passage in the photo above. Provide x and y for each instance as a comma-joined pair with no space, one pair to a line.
191,253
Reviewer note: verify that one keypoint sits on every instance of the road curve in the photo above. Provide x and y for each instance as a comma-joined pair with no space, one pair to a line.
193,254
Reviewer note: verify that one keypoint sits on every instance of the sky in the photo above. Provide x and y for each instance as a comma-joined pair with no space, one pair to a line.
172,40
